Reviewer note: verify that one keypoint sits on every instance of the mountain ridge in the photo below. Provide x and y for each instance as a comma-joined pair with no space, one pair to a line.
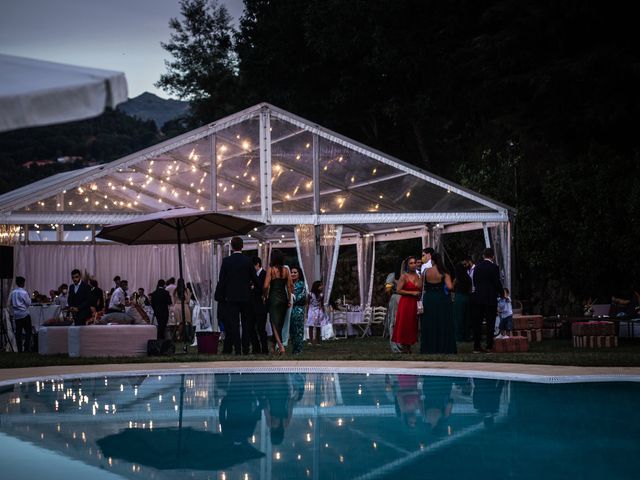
148,106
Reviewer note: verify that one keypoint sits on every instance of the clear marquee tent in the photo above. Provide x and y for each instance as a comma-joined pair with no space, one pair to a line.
313,188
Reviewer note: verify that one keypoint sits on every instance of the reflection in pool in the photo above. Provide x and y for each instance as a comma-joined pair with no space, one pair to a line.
317,425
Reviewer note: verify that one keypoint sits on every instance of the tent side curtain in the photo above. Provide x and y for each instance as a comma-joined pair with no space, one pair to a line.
306,247
329,247
46,267
501,243
366,250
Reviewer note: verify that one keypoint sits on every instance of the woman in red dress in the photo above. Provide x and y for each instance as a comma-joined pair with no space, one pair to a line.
410,290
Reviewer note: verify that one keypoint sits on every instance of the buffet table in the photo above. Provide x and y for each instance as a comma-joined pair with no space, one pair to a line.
41,313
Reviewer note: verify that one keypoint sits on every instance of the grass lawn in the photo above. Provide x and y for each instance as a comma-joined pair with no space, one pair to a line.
548,352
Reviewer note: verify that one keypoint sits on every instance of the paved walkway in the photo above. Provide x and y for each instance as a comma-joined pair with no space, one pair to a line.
9,374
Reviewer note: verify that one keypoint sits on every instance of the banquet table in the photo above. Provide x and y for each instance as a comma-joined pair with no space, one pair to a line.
41,313
352,318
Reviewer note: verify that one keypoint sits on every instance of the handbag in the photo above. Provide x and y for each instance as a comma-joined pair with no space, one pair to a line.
420,307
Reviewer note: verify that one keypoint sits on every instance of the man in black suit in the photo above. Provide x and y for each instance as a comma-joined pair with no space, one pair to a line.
484,300
79,299
259,310
237,276
160,302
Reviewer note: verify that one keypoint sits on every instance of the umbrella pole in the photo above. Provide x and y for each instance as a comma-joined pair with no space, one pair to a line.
181,290
180,420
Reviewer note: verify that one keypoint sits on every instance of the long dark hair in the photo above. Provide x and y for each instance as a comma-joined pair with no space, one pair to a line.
406,263
277,260
463,280
436,261
300,274
315,288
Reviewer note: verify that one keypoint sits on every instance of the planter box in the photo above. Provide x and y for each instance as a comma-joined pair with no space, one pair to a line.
511,344
532,335
595,341
527,322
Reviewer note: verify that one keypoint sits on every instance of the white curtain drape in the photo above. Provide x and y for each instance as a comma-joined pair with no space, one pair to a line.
47,266
436,239
198,270
502,245
306,247
329,247
264,252
366,259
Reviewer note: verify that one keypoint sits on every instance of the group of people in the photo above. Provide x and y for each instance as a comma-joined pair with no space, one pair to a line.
247,294
433,400
422,307
84,302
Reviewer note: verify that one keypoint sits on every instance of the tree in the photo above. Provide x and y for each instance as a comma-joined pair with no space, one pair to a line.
204,66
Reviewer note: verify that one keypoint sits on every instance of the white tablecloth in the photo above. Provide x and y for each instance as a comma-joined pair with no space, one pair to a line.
42,313
352,318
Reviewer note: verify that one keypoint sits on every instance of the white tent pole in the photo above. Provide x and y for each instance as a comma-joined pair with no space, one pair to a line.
265,165
485,230
508,256
213,174
215,267
316,203
213,205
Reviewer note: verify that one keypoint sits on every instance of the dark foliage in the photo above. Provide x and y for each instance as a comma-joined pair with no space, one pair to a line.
102,139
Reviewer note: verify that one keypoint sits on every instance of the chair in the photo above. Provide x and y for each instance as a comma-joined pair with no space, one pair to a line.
379,316
339,319
516,305
363,325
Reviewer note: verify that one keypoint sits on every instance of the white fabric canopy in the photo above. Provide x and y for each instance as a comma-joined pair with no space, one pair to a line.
36,92
47,266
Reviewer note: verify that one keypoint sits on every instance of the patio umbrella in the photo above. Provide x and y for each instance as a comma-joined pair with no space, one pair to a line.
177,226
37,92
177,448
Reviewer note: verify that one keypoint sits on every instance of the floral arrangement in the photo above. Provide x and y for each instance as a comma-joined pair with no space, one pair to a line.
588,308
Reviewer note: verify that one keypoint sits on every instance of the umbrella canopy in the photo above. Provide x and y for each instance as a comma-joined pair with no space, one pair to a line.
178,225
36,92
177,448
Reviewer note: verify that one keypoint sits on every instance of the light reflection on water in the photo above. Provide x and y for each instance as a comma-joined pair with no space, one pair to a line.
324,425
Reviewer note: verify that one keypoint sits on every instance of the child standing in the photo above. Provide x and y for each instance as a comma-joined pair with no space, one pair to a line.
317,317
505,311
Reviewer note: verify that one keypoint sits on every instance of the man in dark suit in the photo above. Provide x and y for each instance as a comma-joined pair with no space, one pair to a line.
259,310
484,300
79,299
160,301
236,278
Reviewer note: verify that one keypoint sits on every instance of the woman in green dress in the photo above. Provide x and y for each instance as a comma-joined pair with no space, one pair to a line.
437,333
277,292
296,325
462,288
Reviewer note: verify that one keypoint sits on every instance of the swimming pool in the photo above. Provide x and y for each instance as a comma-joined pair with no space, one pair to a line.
318,424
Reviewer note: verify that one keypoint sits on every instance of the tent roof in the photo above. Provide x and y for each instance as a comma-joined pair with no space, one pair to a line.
37,92
271,166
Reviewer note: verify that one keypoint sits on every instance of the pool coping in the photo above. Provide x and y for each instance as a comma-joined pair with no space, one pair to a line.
505,371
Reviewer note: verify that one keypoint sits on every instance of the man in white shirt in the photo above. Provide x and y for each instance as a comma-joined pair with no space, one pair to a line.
470,266
20,302
426,259
119,298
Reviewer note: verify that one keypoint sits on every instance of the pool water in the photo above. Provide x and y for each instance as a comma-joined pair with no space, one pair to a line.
317,425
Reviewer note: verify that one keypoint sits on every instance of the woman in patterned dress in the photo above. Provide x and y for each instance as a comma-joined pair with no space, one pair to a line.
296,325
